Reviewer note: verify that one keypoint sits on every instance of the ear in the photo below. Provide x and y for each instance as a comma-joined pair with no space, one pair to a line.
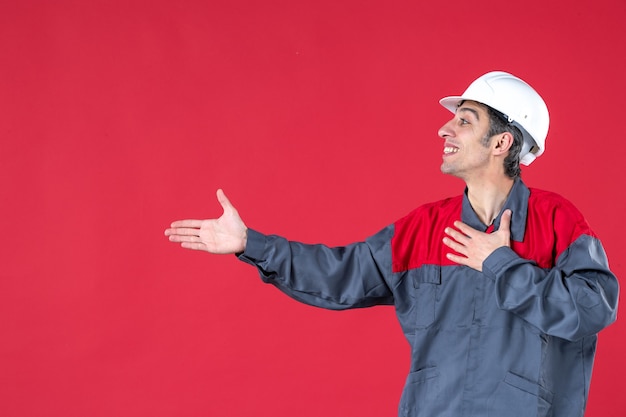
502,143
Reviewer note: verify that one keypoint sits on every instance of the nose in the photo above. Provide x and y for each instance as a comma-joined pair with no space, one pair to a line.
446,130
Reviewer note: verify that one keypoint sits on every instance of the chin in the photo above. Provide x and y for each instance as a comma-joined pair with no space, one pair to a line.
448,170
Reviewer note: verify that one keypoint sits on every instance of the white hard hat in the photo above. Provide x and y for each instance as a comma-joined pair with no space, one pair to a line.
518,102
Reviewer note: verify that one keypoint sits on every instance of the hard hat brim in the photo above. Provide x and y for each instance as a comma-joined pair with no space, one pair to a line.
452,102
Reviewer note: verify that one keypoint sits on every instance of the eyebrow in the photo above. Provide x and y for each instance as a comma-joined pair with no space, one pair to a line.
474,112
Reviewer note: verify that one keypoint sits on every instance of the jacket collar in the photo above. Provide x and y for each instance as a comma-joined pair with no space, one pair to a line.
517,202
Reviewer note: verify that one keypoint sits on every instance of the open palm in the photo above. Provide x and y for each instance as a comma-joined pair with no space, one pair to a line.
224,235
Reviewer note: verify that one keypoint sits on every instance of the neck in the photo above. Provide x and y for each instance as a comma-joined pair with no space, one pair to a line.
487,196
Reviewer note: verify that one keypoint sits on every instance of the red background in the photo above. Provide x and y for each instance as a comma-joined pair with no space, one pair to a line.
319,119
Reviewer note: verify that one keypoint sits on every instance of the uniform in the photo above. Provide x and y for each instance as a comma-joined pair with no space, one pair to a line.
517,339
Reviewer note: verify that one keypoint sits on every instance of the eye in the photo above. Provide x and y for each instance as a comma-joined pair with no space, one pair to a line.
463,121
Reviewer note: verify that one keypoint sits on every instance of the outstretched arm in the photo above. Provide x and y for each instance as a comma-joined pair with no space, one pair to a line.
225,235
335,278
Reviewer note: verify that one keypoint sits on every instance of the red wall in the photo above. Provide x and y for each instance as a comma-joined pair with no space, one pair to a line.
319,119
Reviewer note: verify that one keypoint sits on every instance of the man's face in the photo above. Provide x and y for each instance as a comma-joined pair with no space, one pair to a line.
464,152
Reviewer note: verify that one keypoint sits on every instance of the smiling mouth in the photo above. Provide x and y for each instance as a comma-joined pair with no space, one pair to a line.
450,150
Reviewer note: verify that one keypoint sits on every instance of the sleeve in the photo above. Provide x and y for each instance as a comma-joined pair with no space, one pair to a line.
578,297
334,278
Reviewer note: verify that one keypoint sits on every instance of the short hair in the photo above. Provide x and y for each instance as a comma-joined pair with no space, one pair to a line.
498,123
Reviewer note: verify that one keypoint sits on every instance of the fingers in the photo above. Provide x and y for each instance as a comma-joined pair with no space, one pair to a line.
184,238
184,231
187,237
458,236
461,260
190,223
456,240
193,246
454,245
467,230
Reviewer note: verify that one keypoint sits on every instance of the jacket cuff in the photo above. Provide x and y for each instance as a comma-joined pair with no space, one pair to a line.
255,246
499,261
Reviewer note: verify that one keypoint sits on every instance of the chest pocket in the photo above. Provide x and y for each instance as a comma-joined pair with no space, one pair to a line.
426,285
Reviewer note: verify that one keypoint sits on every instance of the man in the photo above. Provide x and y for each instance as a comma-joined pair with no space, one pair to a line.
500,292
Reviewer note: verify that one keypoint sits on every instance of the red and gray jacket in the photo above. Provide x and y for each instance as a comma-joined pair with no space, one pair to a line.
517,339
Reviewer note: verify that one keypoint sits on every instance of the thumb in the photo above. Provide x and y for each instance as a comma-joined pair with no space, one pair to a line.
224,201
505,221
